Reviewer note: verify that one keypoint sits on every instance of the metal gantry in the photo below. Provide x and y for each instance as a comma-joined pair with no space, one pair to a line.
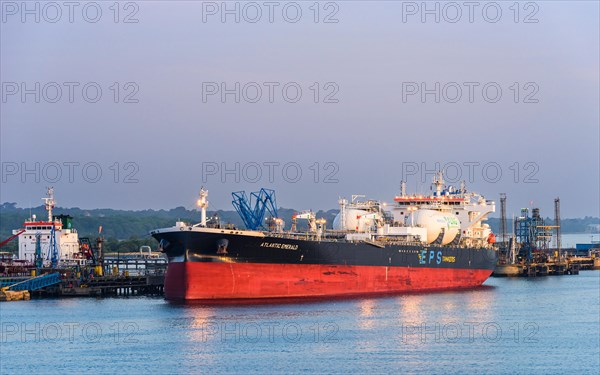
253,210
533,234
53,247
35,283
39,260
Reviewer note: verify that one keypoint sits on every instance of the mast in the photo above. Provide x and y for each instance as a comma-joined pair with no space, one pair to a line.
203,204
438,183
557,225
503,221
49,202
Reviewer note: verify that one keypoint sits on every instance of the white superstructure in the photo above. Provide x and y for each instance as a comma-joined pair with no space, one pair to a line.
66,238
448,216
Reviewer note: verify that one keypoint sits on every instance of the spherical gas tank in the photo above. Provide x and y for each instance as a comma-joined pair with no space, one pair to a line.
355,220
434,221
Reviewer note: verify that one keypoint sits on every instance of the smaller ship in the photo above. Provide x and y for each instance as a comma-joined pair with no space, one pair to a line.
50,242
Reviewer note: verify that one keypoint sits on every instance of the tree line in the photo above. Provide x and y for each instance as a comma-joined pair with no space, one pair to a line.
126,231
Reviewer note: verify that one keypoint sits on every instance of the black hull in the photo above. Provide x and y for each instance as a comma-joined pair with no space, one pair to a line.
198,246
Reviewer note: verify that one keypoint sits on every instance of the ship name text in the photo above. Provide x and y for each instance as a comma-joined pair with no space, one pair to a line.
431,256
277,245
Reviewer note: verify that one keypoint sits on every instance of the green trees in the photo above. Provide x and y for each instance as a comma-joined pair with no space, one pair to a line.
126,231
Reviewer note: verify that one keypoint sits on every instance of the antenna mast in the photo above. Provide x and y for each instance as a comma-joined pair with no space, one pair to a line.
49,202
203,204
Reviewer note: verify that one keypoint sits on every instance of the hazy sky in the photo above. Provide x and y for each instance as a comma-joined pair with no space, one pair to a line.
370,61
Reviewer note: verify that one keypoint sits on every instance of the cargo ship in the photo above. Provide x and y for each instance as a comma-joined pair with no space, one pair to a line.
419,243
52,241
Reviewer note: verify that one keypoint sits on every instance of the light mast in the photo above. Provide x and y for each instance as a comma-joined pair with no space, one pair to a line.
49,202
203,204
402,188
438,183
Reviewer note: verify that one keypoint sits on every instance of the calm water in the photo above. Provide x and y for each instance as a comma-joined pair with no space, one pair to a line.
547,325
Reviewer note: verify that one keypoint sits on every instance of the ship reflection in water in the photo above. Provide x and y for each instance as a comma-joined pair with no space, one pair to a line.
501,328
366,314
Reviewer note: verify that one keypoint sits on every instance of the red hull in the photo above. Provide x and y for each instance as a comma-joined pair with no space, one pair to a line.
245,281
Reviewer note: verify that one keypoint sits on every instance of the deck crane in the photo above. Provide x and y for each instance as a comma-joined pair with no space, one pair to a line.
314,225
11,237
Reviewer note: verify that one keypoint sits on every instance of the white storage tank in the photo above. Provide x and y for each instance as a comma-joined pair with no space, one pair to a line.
357,220
434,221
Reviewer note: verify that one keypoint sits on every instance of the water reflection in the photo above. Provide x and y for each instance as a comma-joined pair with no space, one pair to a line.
202,334
366,320
359,335
448,312
479,306
410,309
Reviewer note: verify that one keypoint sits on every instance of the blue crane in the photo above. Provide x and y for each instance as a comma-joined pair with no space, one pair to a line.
252,210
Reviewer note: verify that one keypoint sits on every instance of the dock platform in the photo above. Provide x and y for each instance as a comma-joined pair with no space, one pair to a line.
537,269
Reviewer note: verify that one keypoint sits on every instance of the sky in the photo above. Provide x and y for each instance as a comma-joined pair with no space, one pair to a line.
137,106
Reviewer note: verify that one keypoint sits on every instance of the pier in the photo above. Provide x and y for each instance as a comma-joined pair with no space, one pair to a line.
527,252
118,276
537,269
96,286
107,286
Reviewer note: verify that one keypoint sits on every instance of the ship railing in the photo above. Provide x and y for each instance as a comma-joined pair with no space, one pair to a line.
303,236
294,235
